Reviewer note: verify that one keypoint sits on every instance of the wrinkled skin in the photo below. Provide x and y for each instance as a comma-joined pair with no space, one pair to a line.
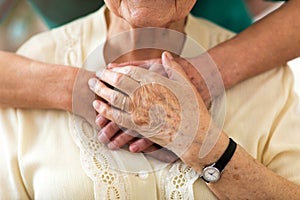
164,110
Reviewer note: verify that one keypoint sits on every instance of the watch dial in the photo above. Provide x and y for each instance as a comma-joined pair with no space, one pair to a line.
211,174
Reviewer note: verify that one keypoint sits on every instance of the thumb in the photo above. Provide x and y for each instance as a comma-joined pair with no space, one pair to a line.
172,68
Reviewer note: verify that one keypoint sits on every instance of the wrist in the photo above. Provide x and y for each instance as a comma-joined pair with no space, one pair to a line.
63,99
227,65
206,149
235,60
58,86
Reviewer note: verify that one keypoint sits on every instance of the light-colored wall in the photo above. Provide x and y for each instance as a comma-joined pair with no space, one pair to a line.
19,24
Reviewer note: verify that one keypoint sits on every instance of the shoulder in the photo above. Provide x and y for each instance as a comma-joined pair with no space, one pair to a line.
66,44
39,47
211,34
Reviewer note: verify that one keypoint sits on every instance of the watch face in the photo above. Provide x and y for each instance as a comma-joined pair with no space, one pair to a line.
211,174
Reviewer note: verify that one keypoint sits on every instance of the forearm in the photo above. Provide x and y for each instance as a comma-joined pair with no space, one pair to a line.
267,44
244,177
26,83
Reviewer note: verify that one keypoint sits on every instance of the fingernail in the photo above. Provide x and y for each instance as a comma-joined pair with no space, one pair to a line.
100,72
168,56
166,60
92,83
133,148
96,104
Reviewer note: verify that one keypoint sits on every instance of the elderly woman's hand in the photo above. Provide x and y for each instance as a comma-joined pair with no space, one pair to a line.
193,67
111,133
117,139
167,111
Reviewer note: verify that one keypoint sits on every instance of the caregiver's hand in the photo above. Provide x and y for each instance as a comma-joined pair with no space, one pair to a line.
167,111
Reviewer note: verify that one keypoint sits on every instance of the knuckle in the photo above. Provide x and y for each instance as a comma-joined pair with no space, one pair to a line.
102,109
117,116
147,142
121,139
98,88
131,133
143,144
117,78
129,70
105,135
126,137
101,121
118,142
115,99
112,127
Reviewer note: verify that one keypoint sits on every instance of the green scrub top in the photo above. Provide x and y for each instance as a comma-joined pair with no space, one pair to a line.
231,14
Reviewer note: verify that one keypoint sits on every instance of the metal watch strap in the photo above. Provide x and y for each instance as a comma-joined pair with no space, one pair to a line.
226,156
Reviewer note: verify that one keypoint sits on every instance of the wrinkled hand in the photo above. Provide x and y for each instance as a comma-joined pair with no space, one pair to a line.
111,134
115,138
164,110
194,67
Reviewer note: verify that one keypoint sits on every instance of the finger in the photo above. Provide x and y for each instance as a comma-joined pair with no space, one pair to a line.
120,140
153,65
120,81
158,68
108,132
140,145
135,73
161,154
172,68
101,121
138,63
118,116
113,97
129,63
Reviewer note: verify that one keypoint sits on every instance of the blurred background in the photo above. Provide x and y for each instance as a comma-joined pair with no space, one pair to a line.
19,20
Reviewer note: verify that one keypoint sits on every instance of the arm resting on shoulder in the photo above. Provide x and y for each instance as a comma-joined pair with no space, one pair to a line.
31,84
268,43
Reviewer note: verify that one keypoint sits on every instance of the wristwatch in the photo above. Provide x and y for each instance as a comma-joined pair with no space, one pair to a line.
212,173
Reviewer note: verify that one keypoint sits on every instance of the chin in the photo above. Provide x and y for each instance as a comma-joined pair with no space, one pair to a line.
141,24
146,18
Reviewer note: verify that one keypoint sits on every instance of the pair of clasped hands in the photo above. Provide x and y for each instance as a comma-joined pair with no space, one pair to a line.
147,110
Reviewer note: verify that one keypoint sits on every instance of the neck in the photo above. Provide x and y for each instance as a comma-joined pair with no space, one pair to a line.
127,43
